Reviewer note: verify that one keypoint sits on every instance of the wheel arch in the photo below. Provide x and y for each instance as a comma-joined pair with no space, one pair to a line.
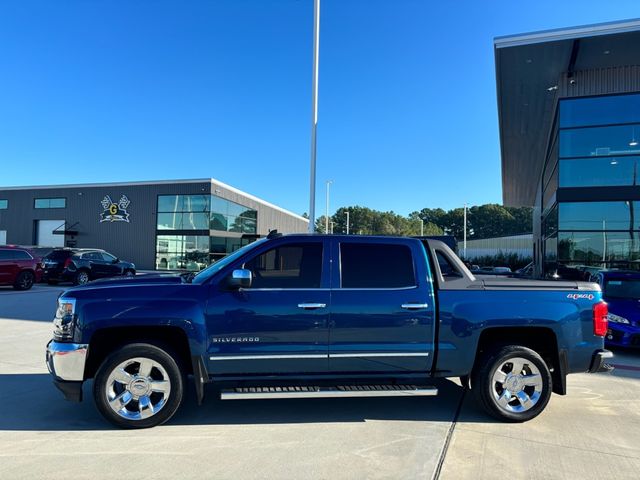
542,340
105,340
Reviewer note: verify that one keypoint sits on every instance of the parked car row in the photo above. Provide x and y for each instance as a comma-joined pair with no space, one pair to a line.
21,266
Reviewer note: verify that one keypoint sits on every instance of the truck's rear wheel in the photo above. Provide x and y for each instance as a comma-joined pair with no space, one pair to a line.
138,386
512,383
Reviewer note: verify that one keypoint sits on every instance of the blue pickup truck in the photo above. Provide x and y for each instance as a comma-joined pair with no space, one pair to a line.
300,316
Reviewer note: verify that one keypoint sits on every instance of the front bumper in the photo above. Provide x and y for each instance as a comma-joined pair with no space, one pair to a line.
66,361
598,361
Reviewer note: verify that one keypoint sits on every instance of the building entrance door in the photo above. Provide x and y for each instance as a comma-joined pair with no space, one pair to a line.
44,233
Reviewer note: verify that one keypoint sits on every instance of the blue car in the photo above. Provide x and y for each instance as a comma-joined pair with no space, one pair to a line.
621,290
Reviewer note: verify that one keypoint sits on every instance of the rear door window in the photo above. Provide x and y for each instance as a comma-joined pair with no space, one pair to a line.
107,257
6,255
59,255
364,265
21,255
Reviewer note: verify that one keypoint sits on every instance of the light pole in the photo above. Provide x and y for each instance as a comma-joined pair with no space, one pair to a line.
347,212
421,227
326,218
314,114
464,242
332,224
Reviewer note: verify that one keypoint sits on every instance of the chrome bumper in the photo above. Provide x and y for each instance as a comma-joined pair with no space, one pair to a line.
66,361
598,361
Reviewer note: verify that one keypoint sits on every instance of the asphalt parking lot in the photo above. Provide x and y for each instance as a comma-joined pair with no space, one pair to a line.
594,432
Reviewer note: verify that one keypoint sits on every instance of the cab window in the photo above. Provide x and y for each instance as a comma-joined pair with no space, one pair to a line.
289,266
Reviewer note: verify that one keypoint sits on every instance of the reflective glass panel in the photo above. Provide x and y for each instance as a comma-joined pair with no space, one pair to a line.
169,221
182,252
600,141
50,203
218,222
195,203
594,247
599,110
598,215
4,204
599,172
170,203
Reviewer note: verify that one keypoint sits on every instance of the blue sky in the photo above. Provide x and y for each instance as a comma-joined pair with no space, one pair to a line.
100,91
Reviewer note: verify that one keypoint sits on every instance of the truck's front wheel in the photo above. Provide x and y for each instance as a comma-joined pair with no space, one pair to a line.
512,383
138,386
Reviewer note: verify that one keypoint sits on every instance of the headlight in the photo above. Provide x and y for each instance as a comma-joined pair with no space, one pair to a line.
64,321
613,318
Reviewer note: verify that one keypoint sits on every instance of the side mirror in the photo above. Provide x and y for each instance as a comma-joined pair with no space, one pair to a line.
240,278
115,260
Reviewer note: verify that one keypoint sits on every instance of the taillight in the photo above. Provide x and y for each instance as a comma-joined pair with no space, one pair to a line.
67,262
600,312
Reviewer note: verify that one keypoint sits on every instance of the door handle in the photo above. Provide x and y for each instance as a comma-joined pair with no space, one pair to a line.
414,306
311,306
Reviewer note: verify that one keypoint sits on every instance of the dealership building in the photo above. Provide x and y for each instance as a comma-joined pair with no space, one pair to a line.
569,112
164,225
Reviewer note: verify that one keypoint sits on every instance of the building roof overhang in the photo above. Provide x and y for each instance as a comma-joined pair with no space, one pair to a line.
528,70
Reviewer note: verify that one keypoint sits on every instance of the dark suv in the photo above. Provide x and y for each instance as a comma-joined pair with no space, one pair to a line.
19,267
80,265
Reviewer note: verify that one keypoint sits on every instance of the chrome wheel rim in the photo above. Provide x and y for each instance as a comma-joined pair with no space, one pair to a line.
517,385
138,388
83,278
128,273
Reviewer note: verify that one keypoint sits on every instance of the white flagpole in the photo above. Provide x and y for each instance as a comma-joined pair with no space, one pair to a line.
314,113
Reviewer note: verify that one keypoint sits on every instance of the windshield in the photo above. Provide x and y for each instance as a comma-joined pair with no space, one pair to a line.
622,288
215,267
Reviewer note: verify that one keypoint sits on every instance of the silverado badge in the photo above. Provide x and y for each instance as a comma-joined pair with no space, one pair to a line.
234,339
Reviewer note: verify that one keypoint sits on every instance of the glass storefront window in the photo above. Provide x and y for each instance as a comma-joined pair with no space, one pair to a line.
183,203
183,221
550,222
204,212
598,215
199,212
595,247
599,172
578,112
600,141
182,252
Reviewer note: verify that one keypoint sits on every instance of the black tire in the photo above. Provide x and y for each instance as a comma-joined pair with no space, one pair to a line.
103,390
129,273
81,277
24,280
492,395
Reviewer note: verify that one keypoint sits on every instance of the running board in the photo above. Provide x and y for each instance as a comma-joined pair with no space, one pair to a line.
254,393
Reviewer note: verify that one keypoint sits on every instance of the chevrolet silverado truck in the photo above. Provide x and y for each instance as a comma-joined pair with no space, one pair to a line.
301,316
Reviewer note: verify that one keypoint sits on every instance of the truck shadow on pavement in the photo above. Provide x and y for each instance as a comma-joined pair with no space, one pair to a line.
36,405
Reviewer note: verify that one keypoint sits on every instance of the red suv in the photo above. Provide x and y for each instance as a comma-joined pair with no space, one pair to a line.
19,267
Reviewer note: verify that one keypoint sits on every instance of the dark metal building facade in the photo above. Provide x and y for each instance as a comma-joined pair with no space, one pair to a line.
123,218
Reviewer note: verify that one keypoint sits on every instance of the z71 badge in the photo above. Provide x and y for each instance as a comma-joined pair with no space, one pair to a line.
234,339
